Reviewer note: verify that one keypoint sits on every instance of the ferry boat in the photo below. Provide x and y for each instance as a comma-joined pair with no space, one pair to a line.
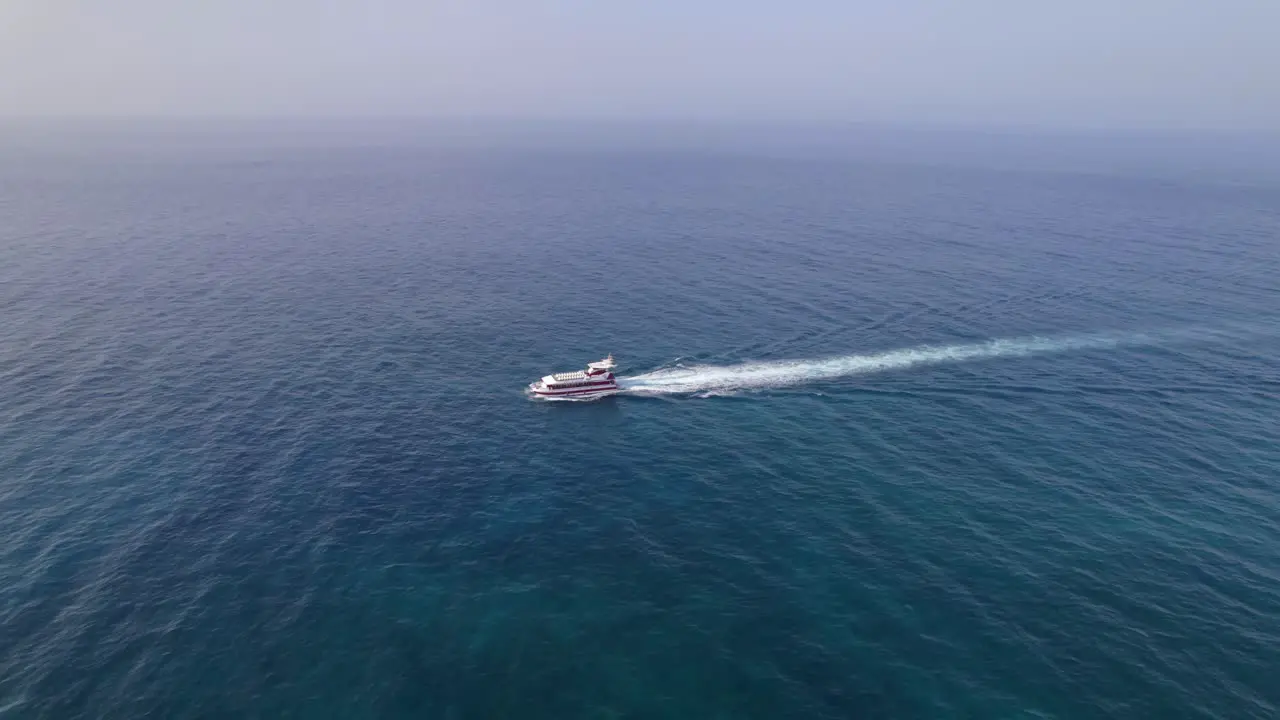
594,382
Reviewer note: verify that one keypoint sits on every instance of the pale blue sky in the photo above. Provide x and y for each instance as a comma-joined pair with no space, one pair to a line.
1082,63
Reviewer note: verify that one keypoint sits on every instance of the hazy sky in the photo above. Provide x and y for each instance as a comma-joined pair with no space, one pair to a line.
1090,63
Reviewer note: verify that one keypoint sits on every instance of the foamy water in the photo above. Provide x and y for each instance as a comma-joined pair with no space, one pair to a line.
786,373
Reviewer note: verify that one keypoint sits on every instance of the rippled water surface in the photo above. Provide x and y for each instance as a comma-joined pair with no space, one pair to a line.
898,440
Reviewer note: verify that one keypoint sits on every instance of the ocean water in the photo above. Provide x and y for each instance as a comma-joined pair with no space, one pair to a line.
977,436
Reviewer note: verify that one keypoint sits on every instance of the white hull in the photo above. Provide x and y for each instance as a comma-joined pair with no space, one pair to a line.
580,395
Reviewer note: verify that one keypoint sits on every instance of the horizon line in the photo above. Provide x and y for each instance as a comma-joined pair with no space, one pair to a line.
655,122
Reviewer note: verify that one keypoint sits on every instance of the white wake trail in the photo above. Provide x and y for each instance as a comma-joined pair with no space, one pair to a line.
785,373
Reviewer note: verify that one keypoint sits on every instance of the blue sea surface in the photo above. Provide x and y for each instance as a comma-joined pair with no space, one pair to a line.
955,435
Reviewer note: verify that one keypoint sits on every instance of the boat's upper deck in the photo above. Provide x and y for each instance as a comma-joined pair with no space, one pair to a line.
596,373
563,377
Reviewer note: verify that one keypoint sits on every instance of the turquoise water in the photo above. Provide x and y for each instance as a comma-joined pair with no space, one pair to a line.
912,439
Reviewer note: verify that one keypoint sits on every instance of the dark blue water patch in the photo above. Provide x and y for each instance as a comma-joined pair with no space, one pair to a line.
264,449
